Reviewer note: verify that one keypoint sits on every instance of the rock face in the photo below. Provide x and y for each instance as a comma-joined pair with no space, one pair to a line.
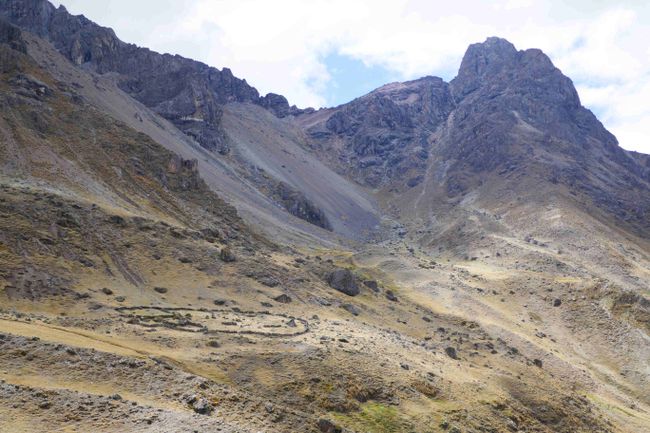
298,205
12,36
517,113
508,112
344,281
386,133
188,93
279,105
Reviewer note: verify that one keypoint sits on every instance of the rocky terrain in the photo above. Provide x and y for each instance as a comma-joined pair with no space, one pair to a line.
180,254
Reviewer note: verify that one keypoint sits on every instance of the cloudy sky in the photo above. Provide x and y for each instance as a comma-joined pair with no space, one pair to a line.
326,52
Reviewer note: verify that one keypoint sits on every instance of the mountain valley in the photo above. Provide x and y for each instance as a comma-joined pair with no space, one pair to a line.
179,253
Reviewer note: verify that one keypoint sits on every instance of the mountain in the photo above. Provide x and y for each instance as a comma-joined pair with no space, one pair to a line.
180,253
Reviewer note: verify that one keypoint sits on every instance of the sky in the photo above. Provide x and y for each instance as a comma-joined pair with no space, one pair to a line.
327,52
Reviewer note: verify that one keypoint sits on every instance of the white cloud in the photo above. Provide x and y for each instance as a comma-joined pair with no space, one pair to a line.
279,46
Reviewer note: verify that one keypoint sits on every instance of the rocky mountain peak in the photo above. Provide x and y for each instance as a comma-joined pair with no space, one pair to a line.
496,65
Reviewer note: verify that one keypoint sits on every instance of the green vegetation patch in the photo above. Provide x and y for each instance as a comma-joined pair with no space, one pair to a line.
375,418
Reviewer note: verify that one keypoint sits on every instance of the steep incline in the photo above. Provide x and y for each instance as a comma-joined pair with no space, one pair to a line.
191,98
188,93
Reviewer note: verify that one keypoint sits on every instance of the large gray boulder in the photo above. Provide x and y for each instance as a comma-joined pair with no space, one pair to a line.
344,281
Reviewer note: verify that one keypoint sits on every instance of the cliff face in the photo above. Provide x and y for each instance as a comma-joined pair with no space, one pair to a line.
385,133
186,92
516,112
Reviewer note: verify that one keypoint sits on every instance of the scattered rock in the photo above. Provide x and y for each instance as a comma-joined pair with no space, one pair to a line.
107,291
220,302
352,309
227,255
120,298
537,362
557,302
451,352
391,296
372,285
283,299
202,406
214,344
404,366
327,426
269,281
160,289
344,281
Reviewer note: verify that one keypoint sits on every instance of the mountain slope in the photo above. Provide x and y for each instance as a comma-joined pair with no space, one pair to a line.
466,256
192,96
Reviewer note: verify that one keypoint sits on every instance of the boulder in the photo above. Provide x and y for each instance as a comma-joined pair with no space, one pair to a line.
327,426
344,281
283,299
202,406
227,255
451,352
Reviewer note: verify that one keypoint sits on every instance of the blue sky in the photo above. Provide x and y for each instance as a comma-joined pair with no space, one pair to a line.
325,52
351,78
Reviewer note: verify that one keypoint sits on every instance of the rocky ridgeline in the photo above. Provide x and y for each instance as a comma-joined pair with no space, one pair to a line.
188,93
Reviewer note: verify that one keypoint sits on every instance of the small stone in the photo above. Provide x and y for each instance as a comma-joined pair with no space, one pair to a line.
227,255
269,281
352,309
557,302
120,298
537,362
202,406
160,289
107,291
451,352
391,296
372,285
327,426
